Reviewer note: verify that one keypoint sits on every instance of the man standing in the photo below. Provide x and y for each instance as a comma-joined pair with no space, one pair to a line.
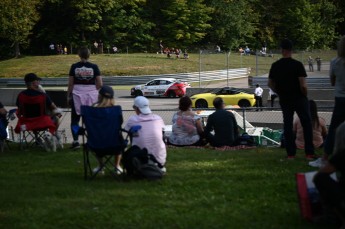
223,123
258,97
287,79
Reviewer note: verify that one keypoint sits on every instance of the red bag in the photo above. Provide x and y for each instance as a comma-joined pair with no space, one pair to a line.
308,195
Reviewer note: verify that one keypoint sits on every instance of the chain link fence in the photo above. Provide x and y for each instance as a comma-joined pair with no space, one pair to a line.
269,121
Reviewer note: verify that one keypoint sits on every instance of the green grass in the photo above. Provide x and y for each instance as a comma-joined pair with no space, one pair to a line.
203,189
144,63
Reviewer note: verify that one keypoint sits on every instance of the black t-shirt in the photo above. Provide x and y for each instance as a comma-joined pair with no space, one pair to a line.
285,73
224,125
2,116
84,73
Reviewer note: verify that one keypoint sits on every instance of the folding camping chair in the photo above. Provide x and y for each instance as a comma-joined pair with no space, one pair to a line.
4,133
102,138
34,126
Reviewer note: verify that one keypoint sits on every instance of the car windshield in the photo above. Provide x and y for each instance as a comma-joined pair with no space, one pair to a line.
226,91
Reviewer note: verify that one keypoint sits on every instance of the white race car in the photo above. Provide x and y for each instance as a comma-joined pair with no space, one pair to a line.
164,87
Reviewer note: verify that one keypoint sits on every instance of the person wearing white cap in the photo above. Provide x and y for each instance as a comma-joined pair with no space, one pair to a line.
150,136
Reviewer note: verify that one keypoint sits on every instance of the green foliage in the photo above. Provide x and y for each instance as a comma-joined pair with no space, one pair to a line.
186,22
17,20
203,188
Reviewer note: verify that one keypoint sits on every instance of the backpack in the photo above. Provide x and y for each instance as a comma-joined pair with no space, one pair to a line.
139,164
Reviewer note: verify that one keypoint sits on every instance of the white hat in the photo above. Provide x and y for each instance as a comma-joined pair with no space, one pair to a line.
143,104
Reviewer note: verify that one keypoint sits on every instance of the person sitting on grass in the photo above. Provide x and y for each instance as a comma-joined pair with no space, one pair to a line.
187,128
106,99
224,125
319,128
331,191
150,135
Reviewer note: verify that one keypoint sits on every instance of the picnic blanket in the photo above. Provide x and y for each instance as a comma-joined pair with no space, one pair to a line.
223,148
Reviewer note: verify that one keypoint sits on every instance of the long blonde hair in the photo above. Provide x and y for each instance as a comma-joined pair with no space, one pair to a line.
105,102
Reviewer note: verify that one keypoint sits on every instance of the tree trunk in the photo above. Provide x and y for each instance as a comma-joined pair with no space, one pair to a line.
17,49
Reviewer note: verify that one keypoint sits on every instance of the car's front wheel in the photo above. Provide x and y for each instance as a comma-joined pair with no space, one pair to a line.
138,93
201,103
244,103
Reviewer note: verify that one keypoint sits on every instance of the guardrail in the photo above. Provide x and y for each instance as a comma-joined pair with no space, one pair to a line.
134,80
312,82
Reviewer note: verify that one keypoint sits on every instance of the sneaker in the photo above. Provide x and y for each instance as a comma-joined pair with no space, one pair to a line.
97,170
164,170
318,163
118,170
75,145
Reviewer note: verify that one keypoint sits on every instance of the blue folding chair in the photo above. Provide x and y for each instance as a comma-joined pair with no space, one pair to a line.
104,138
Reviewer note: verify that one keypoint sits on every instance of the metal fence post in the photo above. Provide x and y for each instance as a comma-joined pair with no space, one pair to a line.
244,118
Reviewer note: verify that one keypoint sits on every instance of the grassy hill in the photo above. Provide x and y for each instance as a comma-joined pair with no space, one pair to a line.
144,63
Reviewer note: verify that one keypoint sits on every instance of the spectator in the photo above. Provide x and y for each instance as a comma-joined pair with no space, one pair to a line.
273,96
106,99
287,79
224,125
337,76
217,49
258,97
3,123
150,136
240,50
3,111
318,124
187,128
331,191
83,84
311,64
247,51
318,63
185,54
31,117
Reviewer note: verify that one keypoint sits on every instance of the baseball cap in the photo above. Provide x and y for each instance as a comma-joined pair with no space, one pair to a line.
107,91
286,44
142,104
30,77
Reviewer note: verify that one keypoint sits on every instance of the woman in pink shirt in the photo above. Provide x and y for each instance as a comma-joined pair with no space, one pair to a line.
319,128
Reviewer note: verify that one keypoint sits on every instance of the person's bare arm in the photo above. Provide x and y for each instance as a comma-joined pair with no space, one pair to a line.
69,88
303,85
272,85
199,127
3,111
99,82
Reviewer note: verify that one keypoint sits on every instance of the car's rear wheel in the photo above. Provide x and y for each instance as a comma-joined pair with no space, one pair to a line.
171,94
201,103
138,93
244,103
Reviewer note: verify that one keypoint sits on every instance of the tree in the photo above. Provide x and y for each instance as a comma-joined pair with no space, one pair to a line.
17,20
185,22
233,23
312,24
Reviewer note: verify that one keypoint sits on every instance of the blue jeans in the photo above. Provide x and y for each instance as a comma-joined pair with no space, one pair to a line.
338,117
301,107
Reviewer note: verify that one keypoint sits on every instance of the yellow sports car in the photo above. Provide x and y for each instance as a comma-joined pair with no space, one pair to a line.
230,96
